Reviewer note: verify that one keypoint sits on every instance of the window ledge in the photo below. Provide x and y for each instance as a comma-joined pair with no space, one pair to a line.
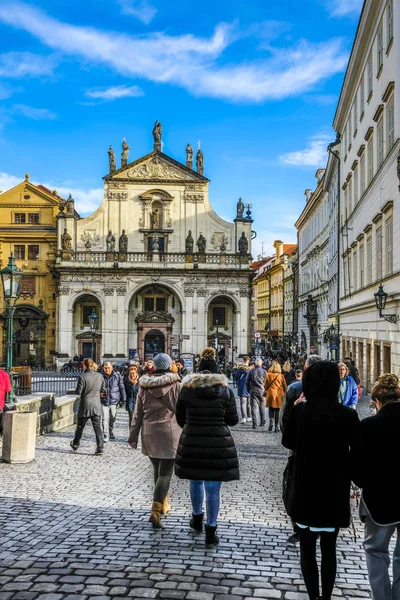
370,96
379,73
390,44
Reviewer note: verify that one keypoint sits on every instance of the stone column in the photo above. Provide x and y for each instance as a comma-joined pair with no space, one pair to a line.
121,324
64,325
107,320
187,321
201,322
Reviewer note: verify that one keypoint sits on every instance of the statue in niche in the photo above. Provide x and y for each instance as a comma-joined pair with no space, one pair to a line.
239,209
189,154
111,159
155,246
200,162
157,132
201,243
66,240
123,242
243,244
110,241
189,243
155,219
124,153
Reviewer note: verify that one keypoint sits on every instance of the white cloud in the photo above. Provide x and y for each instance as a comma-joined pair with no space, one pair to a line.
5,92
313,155
114,93
25,64
86,200
141,9
186,60
38,114
344,8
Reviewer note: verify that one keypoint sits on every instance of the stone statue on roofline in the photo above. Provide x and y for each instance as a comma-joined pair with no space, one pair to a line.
110,241
123,242
111,159
243,244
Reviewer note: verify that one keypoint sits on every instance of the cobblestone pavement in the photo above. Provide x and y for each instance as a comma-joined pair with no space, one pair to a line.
75,526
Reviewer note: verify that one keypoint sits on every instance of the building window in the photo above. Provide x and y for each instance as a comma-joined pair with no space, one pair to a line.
350,196
33,218
19,252
355,116
160,304
19,218
380,47
346,203
389,246
355,177
28,284
390,124
33,252
362,96
361,264
389,32
370,76
355,270
219,314
370,160
362,174
369,260
350,133
87,310
380,143
379,254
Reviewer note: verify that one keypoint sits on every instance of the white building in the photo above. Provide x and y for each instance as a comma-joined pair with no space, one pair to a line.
313,293
368,118
161,269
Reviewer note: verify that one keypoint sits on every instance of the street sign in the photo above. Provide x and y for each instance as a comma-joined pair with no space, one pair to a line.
185,337
257,335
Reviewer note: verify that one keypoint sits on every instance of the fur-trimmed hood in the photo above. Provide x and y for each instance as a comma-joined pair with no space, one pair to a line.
156,381
245,367
204,380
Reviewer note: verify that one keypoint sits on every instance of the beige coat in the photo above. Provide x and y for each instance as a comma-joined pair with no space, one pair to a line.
155,415
275,386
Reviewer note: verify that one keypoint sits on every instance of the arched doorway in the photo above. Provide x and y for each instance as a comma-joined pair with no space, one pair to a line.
29,336
221,327
86,345
154,342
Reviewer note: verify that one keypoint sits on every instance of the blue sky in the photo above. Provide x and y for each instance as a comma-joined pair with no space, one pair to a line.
256,82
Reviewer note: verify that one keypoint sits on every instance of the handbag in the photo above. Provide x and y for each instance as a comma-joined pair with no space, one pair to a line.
288,484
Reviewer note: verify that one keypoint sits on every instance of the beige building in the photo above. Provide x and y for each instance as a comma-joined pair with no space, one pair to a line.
161,269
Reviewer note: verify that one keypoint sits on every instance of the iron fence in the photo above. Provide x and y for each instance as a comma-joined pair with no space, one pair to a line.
31,381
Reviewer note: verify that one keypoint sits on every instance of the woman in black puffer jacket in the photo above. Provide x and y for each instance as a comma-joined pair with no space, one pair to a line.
206,452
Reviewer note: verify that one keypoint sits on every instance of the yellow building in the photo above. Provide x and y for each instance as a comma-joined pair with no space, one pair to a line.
28,228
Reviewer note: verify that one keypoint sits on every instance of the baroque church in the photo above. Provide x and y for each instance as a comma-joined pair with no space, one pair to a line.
161,270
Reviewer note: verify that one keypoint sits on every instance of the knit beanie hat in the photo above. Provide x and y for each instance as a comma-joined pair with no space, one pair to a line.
162,362
207,362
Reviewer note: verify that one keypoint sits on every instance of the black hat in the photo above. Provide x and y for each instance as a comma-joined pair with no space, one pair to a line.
207,362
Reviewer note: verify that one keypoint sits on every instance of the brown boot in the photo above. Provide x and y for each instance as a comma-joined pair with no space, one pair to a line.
155,515
166,507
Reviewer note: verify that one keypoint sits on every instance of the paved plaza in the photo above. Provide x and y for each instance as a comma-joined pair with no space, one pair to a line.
75,526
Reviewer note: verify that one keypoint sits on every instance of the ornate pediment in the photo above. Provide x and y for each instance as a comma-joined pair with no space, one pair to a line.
156,167
154,317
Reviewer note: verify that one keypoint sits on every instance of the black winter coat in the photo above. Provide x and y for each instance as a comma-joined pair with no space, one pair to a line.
206,408
377,464
322,474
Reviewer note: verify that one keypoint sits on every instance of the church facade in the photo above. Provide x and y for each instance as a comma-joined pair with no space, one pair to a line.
161,270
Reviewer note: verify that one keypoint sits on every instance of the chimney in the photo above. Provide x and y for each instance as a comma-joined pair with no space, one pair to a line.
278,245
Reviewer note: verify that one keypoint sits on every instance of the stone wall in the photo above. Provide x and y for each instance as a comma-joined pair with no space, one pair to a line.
52,413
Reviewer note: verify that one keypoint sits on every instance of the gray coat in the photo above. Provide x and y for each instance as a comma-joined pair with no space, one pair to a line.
255,380
90,386
155,415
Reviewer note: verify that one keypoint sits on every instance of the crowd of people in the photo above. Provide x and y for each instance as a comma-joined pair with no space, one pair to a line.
184,421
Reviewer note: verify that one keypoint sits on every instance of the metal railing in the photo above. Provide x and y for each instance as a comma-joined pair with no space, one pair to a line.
46,381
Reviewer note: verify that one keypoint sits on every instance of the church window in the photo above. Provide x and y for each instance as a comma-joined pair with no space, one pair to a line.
87,310
219,314
155,303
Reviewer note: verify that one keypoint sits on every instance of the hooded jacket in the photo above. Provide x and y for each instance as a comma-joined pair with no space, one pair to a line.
205,410
155,415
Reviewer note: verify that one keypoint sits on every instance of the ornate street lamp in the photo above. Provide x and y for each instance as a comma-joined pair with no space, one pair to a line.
380,301
93,322
11,277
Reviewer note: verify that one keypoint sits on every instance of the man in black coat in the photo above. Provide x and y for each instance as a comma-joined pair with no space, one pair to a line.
90,387
376,473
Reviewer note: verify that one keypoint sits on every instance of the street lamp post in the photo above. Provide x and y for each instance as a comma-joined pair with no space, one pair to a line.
216,337
380,301
93,322
11,277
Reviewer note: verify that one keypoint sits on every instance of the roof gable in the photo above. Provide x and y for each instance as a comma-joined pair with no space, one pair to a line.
156,167
26,188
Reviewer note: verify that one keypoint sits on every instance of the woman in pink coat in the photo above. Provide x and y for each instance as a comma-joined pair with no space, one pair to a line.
155,416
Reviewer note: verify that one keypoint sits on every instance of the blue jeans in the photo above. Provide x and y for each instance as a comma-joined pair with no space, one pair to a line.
212,489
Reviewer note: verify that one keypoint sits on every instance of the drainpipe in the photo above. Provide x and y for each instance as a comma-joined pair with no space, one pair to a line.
336,154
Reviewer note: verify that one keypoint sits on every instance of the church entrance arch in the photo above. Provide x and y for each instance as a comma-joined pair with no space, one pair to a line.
154,342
